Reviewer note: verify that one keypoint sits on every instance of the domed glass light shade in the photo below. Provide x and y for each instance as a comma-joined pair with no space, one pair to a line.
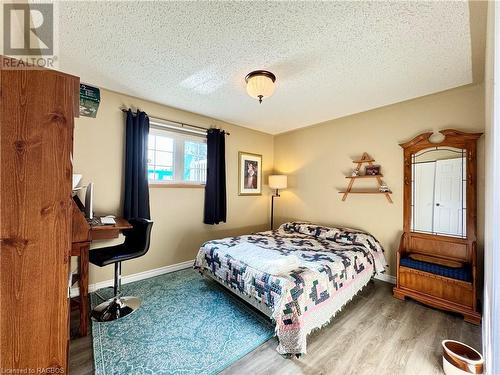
260,84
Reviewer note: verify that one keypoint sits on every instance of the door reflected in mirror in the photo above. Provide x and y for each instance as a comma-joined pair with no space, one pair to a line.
439,191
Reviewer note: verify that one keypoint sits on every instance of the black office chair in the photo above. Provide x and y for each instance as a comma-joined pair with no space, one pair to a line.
136,244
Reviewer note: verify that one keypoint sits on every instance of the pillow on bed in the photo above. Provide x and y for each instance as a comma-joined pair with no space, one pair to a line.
309,229
343,236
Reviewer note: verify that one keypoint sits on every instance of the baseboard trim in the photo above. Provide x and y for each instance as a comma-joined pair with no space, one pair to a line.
387,278
75,291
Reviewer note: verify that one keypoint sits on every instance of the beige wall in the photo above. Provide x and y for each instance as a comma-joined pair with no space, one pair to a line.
178,229
318,158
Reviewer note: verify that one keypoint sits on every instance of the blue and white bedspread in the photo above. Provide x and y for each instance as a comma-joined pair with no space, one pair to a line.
334,265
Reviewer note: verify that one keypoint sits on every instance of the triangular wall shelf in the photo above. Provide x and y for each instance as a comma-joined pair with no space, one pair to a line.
365,159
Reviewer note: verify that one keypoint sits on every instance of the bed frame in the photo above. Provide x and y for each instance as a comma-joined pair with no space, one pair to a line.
263,308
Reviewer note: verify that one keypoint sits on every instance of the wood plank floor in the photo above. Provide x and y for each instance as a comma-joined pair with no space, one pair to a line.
374,334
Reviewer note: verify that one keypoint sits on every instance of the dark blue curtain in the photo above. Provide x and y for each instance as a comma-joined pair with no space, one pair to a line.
215,189
136,202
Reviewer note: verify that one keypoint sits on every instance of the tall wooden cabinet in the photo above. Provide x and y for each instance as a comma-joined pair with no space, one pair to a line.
36,129
437,256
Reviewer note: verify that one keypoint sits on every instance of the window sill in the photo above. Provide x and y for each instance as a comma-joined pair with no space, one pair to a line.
176,186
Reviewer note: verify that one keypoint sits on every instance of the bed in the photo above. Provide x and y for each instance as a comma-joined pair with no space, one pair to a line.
332,266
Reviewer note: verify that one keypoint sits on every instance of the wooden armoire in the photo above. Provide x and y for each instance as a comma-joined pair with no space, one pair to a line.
37,107
437,256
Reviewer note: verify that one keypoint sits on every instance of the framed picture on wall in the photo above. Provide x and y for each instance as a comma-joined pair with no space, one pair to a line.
249,174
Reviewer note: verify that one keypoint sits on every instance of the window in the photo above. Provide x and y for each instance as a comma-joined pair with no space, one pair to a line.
176,158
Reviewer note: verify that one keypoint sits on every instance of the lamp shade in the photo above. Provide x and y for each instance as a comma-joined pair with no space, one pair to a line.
278,181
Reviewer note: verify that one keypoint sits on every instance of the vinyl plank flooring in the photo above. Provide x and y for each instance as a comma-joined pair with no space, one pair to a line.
374,334
377,334
81,360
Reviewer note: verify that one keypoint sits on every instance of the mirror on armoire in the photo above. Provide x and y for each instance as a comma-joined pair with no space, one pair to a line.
439,191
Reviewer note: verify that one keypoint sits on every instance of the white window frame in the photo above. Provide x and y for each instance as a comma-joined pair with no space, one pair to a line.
178,157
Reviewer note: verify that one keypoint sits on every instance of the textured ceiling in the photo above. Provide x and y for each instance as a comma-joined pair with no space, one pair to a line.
331,59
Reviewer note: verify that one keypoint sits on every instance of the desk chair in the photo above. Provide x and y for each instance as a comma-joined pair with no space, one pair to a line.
136,244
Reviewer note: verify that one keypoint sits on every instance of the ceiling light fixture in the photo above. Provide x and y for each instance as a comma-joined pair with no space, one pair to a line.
260,84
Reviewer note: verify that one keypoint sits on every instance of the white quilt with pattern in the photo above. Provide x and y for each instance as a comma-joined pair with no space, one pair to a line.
334,264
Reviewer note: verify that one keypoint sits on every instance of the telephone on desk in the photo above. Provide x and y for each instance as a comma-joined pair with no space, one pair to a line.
102,220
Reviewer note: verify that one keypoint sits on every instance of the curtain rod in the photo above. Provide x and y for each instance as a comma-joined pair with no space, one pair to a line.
182,125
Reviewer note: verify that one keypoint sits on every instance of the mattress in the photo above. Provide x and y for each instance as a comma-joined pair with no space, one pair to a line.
334,265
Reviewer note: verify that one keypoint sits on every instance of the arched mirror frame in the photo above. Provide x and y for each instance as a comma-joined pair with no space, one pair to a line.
452,138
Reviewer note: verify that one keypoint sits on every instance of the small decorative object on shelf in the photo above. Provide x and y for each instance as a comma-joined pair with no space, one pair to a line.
384,188
371,171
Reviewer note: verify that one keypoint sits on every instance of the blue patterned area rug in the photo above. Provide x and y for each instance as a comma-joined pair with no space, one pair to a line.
185,325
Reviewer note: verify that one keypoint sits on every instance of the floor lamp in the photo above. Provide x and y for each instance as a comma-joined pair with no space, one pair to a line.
276,182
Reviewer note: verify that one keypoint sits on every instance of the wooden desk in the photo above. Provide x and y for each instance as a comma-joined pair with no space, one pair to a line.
106,232
83,235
